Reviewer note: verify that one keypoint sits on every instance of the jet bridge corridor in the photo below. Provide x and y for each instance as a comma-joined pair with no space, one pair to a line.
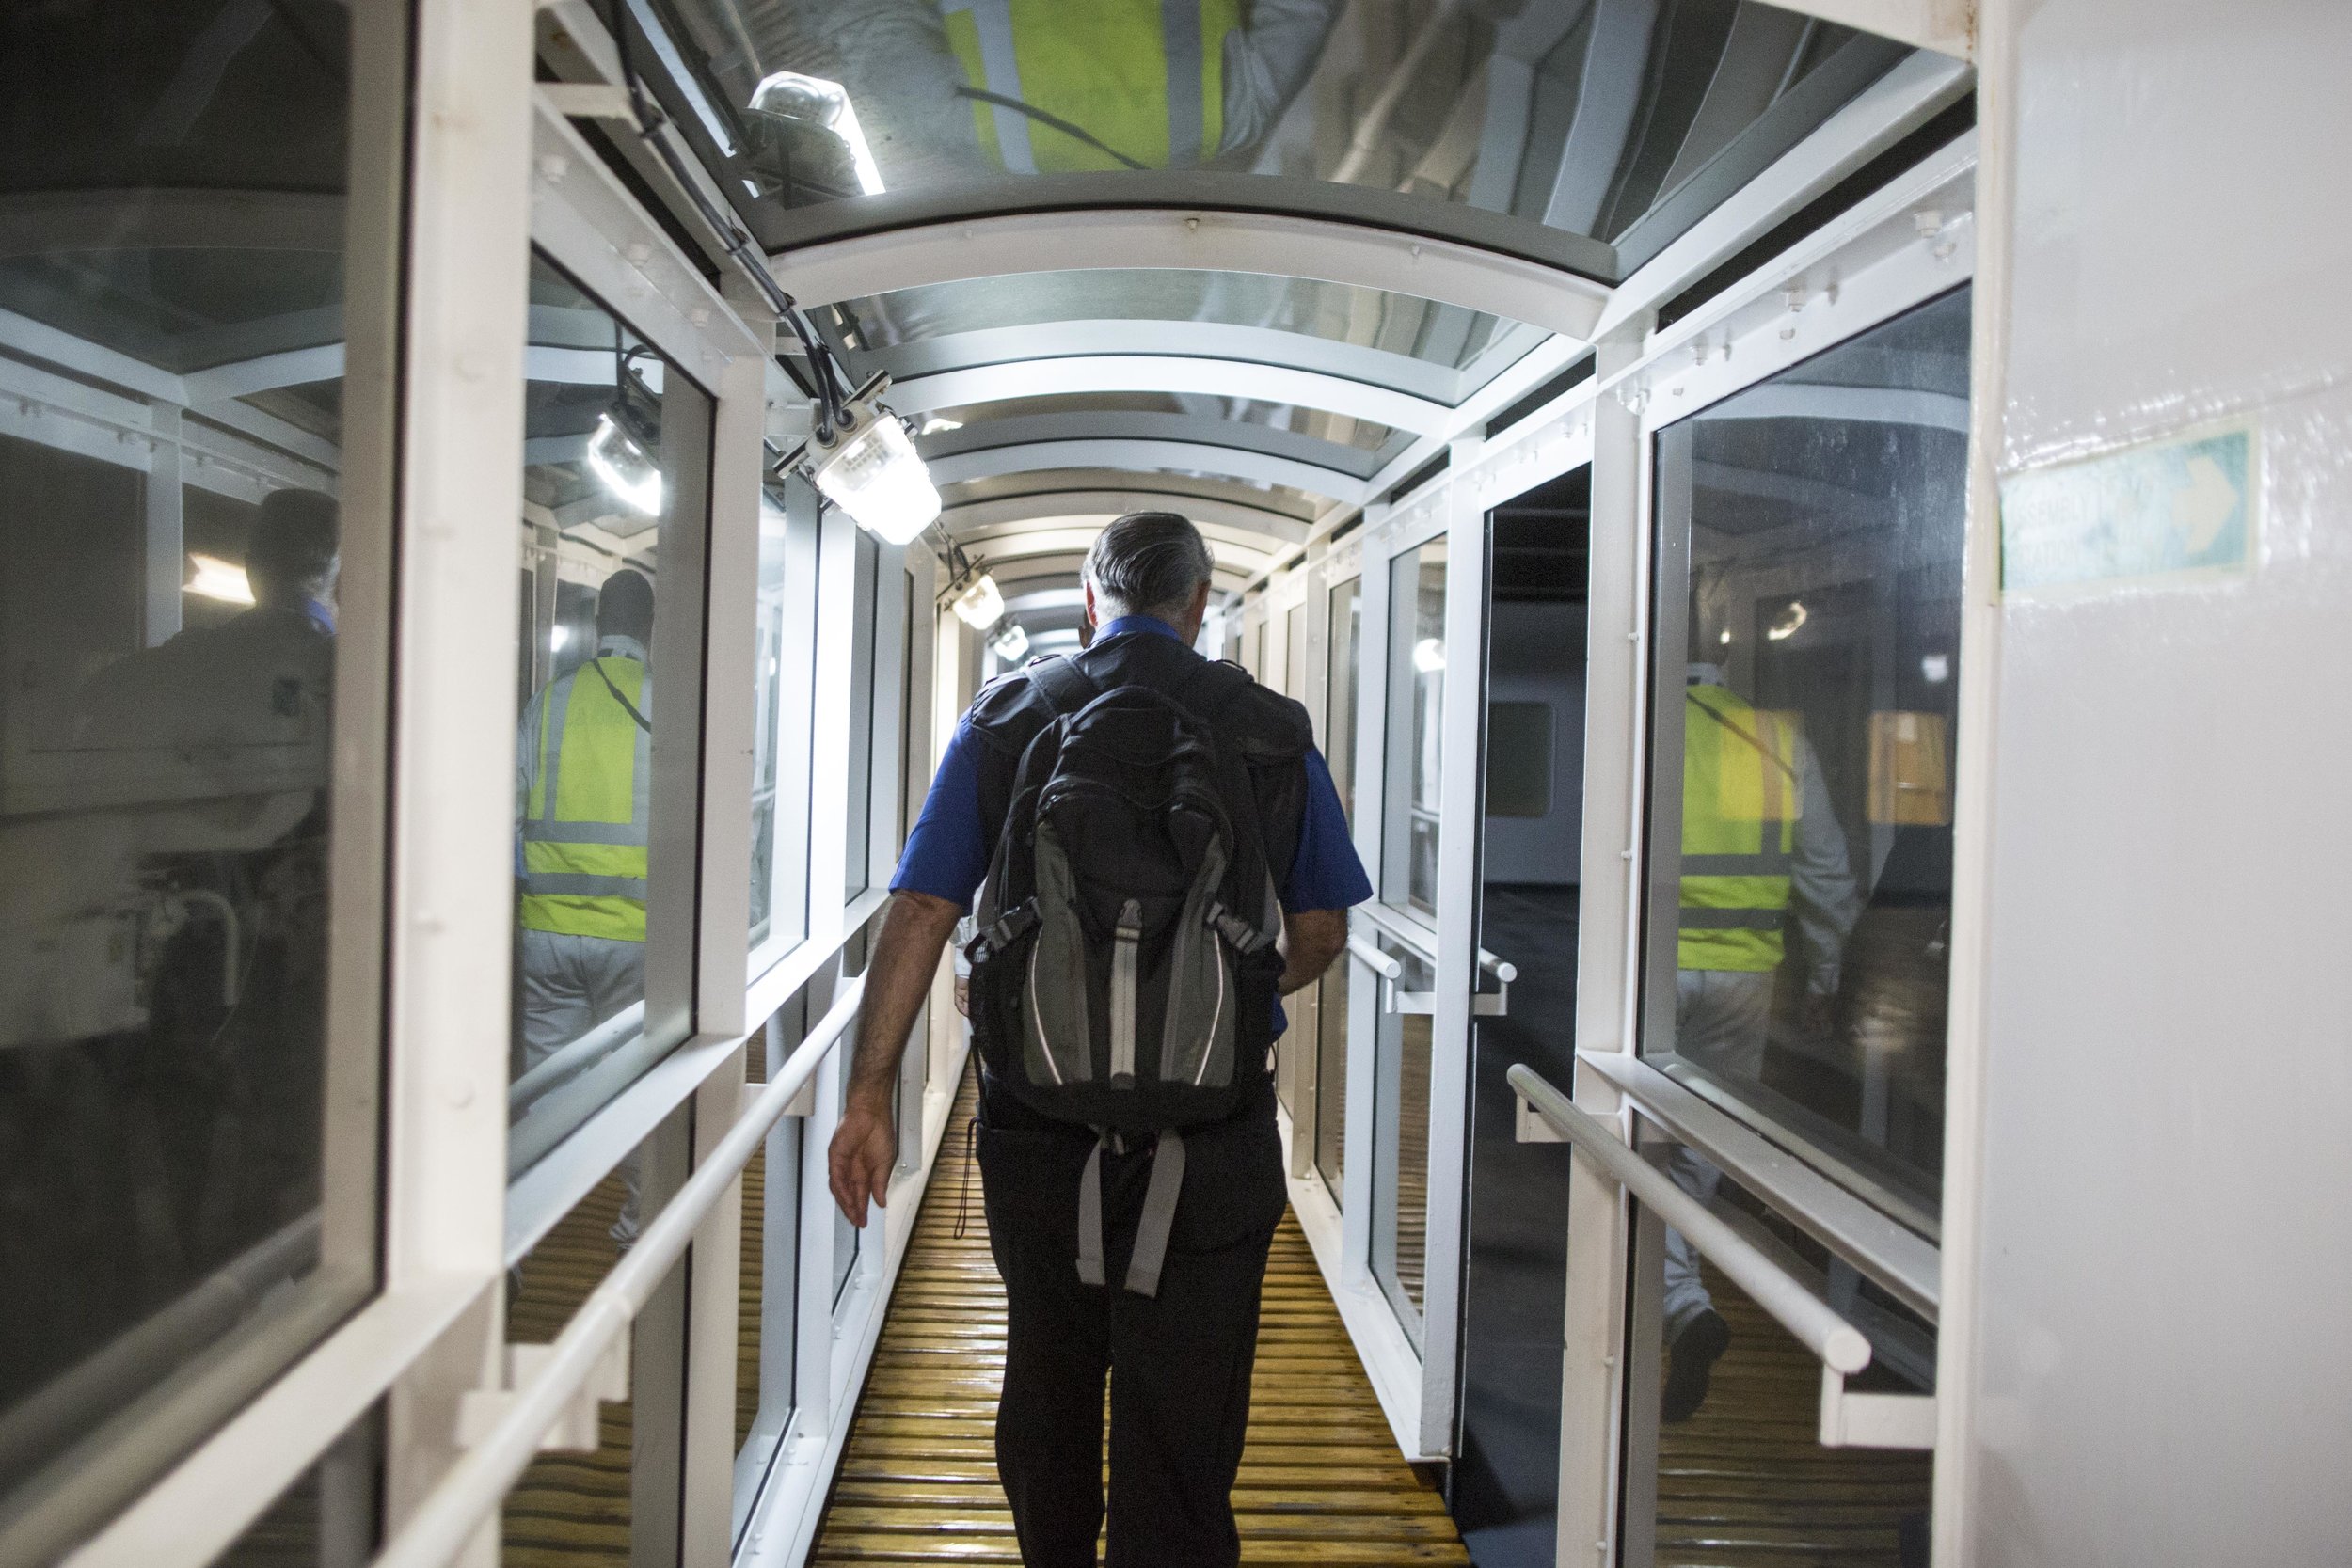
1822,634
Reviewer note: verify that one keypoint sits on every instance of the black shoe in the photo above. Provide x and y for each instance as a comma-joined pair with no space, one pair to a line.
1694,1351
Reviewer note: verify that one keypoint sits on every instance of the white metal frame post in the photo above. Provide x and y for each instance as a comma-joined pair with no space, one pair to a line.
1460,818
452,822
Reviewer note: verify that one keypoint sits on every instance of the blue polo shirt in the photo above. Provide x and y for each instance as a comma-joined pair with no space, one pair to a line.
946,855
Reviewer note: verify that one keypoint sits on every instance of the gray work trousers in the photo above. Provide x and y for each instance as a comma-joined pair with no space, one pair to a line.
1721,1019
570,984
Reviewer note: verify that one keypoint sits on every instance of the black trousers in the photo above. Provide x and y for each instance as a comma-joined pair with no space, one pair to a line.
1179,1364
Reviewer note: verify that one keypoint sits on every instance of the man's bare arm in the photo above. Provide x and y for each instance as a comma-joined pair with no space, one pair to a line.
1311,939
915,930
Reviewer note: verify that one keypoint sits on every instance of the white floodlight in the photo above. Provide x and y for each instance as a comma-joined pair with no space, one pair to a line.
215,578
871,470
980,605
624,467
818,101
1010,645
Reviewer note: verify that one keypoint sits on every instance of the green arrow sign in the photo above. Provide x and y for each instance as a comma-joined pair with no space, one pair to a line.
2183,507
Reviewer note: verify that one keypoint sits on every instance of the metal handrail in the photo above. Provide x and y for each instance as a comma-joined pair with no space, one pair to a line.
1380,963
472,1489
1841,1346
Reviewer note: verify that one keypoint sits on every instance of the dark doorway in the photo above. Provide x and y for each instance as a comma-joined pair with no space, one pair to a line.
1506,1479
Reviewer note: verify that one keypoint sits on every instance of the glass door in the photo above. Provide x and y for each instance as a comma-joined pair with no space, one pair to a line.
1803,704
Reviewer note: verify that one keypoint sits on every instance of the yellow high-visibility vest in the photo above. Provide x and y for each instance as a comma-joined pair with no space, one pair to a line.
1143,78
587,809
1741,802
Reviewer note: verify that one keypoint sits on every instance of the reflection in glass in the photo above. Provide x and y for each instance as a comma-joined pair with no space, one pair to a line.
1742,1478
1821,513
617,447
1579,118
1417,656
1400,1142
180,1211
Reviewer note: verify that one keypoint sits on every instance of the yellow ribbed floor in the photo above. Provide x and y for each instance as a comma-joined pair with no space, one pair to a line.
1321,1478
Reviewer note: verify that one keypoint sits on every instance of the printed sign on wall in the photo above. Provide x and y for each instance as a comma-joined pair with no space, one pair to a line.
2183,508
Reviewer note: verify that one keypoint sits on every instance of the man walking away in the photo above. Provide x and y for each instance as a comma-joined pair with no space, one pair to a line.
1162,853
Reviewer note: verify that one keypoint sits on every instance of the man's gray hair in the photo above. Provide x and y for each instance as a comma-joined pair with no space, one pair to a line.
1147,564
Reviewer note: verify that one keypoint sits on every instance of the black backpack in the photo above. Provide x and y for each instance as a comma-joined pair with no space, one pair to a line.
1124,971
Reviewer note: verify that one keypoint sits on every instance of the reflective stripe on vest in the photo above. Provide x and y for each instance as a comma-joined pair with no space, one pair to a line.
1741,802
587,809
1145,78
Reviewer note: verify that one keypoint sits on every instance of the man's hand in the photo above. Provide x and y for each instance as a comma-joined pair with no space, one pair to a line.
914,931
864,1147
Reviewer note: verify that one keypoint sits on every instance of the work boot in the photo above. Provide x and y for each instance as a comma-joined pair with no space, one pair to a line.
1693,1352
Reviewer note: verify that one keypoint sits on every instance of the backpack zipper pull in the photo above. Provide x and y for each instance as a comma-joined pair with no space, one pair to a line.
1125,968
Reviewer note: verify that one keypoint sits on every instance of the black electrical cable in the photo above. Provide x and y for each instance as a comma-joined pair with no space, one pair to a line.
738,244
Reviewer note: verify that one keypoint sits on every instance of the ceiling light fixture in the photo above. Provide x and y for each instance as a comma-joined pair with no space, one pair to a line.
1429,656
980,605
1791,622
869,468
1010,645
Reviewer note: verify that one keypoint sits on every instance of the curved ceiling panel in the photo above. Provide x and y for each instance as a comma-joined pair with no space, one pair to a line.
1118,372
1183,457
1199,339
1278,245
1562,133
984,517
1207,429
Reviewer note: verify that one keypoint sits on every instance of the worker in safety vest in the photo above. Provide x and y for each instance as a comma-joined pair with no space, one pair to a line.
1761,848
583,764
1066,86
947,90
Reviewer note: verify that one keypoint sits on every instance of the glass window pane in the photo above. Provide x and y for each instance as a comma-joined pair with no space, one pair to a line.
783,677
767,1329
1741,1476
1810,657
568,1506
1386,107
187,1192
1339,751
1416,654
617,451
1331,1077
857,871
1400,1142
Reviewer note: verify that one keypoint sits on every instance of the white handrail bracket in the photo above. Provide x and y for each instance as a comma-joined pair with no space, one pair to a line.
1850,1421
580,1429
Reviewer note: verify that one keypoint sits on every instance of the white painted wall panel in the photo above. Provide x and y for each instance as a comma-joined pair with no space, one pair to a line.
2164,1371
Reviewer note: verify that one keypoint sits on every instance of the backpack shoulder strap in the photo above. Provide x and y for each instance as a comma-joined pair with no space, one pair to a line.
1062,684
1210,686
